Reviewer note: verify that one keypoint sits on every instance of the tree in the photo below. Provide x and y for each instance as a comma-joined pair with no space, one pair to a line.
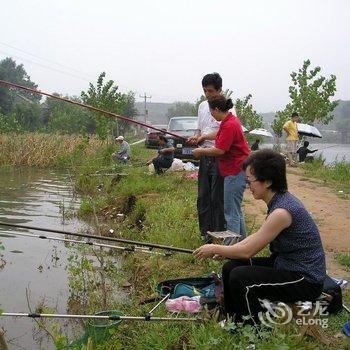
310,97
67,118
129,111
310,94
181,109
107,97
9,123
28,115
249,117
14,73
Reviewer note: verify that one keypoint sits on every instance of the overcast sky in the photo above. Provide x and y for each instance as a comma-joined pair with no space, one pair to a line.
164,47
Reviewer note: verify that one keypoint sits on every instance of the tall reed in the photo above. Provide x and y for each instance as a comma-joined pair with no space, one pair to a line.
45,150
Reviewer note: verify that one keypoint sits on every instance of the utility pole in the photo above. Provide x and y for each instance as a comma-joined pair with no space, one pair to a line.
145,97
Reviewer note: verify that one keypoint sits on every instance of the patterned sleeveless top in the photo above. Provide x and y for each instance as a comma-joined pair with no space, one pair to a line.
298,247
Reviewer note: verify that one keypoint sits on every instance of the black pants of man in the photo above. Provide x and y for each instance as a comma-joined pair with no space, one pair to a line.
161,163
210,201
247,281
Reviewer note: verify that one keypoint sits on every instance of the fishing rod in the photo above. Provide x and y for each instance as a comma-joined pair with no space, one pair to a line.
321,149
147,317
111,239
92,108
126,249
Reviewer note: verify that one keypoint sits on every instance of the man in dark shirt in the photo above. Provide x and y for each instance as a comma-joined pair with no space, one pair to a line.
165,155
255,145
303,152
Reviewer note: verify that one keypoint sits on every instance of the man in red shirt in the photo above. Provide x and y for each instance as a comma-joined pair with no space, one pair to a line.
232,149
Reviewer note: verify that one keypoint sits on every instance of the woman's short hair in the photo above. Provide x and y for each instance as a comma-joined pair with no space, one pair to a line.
221,103
268,165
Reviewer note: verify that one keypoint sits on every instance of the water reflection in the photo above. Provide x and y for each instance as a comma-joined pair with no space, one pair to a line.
41,272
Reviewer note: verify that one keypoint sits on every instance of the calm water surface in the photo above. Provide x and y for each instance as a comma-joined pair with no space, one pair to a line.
34,268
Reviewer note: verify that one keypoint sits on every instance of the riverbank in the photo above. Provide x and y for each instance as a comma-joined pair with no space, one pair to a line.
162,209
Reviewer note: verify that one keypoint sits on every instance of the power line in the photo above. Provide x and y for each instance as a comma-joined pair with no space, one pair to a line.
45,59
44,66
54,69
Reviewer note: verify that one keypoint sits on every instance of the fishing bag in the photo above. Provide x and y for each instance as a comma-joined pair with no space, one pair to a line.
208,288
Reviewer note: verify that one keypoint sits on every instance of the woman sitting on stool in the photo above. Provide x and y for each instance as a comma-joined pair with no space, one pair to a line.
295,270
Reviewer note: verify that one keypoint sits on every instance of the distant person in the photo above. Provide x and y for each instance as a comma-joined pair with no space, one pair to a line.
290,127
210,199
304,151
124,152
231,148
165,155
255,145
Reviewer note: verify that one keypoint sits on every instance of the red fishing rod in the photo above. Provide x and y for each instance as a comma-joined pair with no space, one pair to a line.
92,108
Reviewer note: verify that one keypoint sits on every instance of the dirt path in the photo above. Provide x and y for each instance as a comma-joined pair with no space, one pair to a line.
331,213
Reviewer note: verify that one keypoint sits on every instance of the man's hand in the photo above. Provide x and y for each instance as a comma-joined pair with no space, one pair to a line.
205,251
193,140
197,152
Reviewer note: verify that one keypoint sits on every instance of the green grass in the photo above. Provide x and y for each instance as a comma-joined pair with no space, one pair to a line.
336,174
344,259
165,213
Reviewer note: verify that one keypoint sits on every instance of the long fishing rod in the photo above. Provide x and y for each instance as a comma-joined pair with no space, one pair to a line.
126,249
321,149
147,317
111,239
92,108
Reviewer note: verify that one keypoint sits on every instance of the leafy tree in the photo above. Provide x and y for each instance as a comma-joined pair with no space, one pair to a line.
28,115
12,72
107,97
9,123
310,94
129,111
67,118
249,117
310,97
182,109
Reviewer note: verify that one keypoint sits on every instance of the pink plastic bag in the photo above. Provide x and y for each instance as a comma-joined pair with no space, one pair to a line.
184,303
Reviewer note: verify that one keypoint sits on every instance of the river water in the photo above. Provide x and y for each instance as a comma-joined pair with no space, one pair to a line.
31,268
329,151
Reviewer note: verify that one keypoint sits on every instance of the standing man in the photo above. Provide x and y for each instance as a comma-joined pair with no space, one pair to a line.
124,152
231,148
290,127
210,200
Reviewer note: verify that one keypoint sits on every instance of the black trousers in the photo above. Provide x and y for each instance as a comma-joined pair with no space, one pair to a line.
160,163
210,201
247,281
